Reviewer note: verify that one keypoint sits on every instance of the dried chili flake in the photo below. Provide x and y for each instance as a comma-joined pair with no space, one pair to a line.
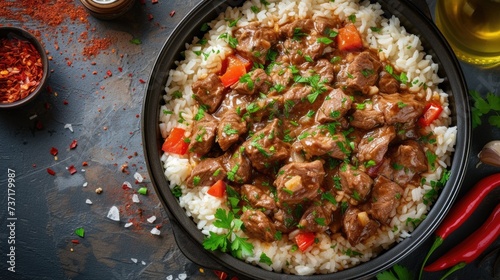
54,151
142,81
75,241
109,73
51,172
72,169
172,13
65,102
150,17
85,163
154,1
73,144
120,69
39,125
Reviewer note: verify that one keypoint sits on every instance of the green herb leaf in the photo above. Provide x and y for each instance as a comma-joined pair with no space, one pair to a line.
397,272
136,41
143,190
265,259
80,232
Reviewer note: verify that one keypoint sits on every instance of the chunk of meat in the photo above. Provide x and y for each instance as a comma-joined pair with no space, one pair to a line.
315,219
209,92
321,67
254,41
387,83
296,29
265,149
239,168
399,108
203,135
298,182
357,226
367,118
286,220
256,81
407,160
386,196
257,225
361,73
257,197
281,74
375,144
335,146
206,173
230,128
324,25
355,182
300,99
334,107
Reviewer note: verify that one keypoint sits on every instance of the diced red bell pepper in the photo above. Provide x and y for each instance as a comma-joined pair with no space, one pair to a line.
304,240
218,189
432,111
175,143
236,67
349,39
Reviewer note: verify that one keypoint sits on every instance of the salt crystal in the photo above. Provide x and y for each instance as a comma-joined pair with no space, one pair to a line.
182,276
85,184
170,277
152,219
69,126
88,201
138,177
143,262
33,116
83,170
128,225
134,260
126,185
135,198
155,231
114,214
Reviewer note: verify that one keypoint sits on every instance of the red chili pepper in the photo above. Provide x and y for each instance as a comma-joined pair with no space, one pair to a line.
470,248
462,210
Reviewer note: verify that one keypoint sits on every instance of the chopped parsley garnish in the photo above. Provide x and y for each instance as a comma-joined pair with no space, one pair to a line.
324,40
298,34
402,78
265,259
255,9
230,241
352,18
431,159
196,180
200,114
177,191
229,130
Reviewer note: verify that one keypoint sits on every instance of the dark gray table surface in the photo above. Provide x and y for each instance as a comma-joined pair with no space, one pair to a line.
104,112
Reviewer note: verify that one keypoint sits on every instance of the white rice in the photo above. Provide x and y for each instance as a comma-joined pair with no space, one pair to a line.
403,50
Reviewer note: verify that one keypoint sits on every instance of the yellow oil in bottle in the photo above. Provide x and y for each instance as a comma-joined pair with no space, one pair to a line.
472,28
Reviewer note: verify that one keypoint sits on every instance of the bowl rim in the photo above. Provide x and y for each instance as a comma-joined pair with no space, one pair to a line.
455,87
6,31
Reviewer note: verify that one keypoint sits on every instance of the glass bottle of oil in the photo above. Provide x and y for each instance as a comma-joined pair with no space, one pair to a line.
472,28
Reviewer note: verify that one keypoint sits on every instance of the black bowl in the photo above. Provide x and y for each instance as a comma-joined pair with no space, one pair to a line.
20,33
189,238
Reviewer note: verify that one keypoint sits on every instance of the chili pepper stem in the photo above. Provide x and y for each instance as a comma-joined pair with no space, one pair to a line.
437,242
453,269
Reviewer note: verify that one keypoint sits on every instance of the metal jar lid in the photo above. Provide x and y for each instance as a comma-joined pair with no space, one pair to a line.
107,9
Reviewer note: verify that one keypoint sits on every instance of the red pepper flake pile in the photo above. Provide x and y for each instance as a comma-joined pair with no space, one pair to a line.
21,69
